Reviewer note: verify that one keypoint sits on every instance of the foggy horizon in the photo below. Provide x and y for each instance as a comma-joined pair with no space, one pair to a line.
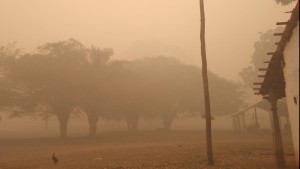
169,27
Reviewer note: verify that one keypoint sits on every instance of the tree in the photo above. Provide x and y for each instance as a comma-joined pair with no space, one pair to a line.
50,78
284,2
128,95
226,96
173,90
8,90
160,87
93,96
48,85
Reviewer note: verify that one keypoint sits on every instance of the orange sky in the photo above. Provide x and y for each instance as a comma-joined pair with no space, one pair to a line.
137,28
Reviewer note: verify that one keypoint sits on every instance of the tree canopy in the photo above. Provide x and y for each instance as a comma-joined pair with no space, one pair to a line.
284,2
65,76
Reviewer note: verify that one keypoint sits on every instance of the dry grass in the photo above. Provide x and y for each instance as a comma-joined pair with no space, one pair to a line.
147,150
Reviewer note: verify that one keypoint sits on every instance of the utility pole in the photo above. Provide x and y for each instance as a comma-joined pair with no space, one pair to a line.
205,85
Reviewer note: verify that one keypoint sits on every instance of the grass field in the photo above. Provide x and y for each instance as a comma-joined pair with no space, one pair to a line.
144,150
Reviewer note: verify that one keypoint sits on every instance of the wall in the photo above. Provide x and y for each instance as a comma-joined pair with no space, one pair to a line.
291,74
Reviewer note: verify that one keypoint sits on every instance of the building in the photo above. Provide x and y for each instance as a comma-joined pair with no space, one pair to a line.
282,80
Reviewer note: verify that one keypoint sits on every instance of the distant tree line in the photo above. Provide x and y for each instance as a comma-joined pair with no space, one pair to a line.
284,2
66,77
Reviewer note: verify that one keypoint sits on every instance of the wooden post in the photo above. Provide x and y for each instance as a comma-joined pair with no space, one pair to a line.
280,123
233,123
255,115
209,150
239,122
277,133
243,122
46,123
271,121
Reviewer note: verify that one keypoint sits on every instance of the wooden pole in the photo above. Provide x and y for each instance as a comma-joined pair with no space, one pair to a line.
239,123
253,119
235,126
233,122
277,133
46,122
205,85
244,121
255,115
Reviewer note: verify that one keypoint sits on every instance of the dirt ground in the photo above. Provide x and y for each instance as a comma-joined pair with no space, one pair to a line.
145,150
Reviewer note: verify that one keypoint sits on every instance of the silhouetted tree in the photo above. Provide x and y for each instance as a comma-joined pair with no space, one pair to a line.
159,87
226,96
8,90
93,94
50,77
128,95
174,90
284,2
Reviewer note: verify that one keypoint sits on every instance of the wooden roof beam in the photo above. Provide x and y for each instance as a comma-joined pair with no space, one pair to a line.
279,43
261,75
271,53
278,34
263,69
282,23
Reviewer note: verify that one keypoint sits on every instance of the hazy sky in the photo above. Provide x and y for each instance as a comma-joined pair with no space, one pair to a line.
137,28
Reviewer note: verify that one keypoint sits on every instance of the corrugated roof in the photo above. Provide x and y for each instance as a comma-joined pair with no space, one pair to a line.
265,105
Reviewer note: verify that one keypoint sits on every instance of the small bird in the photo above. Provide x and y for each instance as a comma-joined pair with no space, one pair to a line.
54,159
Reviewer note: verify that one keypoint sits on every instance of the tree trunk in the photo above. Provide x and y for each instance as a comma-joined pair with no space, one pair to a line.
205,85
92,119
63,119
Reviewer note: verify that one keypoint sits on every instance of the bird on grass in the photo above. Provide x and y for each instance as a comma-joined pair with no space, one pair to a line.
54,158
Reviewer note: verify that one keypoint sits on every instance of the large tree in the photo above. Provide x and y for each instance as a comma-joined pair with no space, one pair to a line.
93,95
8,90
51,78
284,2
162,87
174,90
